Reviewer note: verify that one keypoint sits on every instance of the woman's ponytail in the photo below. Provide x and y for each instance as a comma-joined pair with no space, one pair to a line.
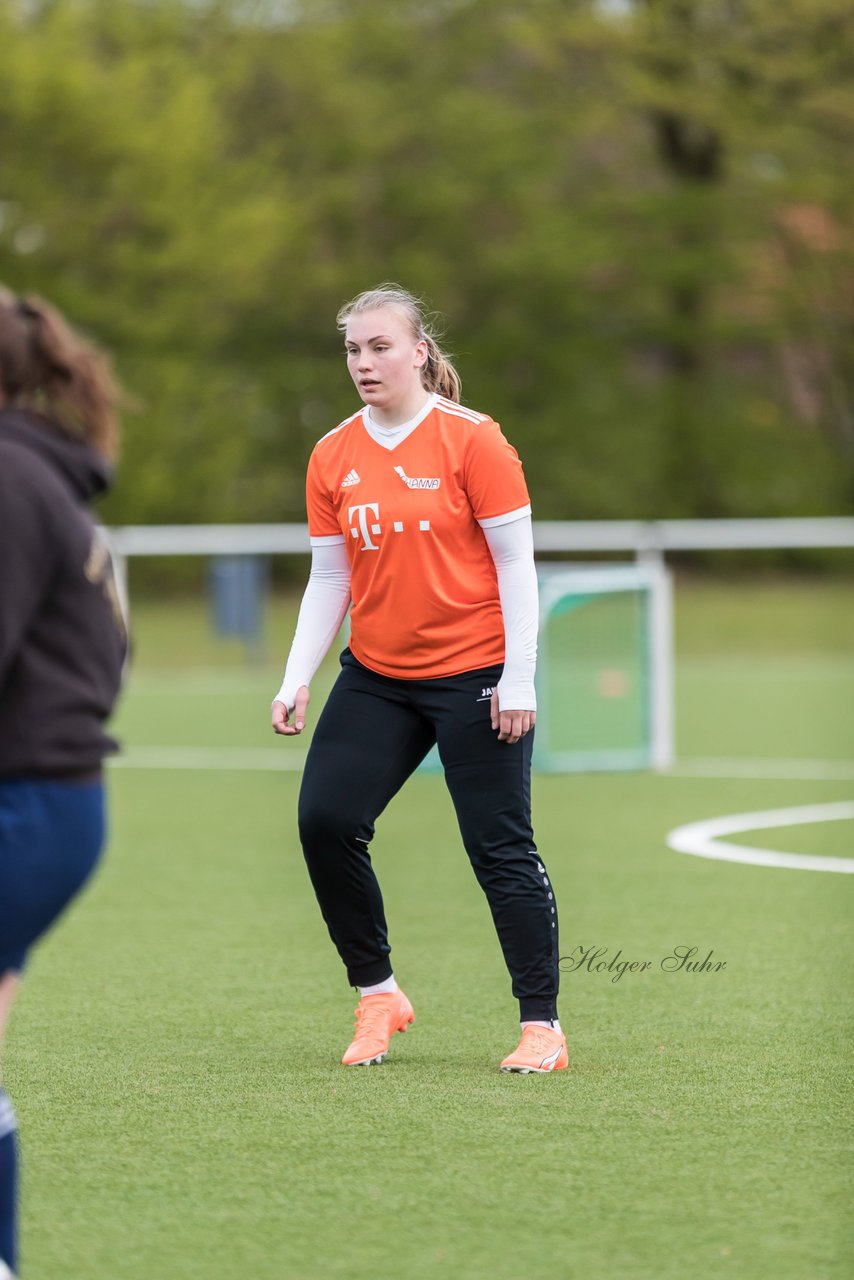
439,374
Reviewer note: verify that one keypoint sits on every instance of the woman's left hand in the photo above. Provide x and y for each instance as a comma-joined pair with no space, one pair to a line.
511,725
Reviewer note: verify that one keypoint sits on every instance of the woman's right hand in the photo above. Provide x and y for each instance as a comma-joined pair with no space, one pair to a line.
280,713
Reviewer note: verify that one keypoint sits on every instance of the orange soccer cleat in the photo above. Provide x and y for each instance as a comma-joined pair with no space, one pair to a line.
540,1050
377,1019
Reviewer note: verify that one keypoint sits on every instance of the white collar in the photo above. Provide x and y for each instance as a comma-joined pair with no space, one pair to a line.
391,437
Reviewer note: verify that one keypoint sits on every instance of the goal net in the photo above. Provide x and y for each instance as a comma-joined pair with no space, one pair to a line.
605,668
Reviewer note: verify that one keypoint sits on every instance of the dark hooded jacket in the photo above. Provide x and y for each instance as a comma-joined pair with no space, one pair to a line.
62,634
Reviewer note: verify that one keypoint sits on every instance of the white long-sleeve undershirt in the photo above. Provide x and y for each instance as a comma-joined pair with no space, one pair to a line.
512,549
324,604
327,597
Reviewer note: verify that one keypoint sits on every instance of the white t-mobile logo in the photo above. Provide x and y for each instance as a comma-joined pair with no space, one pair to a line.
367,522
365,528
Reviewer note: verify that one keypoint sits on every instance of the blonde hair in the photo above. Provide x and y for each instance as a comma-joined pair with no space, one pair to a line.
47,367
437,373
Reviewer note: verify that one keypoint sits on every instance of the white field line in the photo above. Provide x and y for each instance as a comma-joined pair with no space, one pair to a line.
252,758
201,683
758,768
289,759
702,838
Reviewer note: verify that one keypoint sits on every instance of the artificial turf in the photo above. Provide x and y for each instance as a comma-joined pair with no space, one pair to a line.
173,1056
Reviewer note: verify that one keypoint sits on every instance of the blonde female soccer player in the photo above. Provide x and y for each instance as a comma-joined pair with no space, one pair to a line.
418,512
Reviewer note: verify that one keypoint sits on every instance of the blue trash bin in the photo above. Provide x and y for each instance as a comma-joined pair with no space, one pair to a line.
237,587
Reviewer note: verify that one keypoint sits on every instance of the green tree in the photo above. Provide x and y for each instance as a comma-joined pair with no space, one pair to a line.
636,217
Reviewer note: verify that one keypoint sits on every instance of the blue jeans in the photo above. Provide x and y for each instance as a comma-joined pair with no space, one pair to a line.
51,836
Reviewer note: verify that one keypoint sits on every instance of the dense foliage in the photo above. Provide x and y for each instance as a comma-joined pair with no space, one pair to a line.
634,214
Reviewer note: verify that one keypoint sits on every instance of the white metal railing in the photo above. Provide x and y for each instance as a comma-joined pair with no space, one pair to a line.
660,536
643,538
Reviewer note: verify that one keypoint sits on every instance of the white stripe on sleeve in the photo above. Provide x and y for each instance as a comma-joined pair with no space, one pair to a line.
493,522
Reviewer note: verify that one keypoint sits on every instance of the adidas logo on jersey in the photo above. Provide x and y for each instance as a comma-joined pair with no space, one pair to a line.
351,478
419,483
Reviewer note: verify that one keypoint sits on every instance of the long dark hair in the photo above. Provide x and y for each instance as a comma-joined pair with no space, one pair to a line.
46,366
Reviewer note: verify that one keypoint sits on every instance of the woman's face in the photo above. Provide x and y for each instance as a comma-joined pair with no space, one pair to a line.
383,358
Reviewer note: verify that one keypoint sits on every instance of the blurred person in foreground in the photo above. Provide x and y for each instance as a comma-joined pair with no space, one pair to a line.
62,644
418,510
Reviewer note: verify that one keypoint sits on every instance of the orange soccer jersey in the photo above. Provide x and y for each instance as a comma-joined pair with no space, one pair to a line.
423,583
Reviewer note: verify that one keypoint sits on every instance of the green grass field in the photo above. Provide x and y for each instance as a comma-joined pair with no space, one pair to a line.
173,1056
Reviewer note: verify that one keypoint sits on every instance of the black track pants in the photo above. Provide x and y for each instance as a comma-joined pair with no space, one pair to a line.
372,734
